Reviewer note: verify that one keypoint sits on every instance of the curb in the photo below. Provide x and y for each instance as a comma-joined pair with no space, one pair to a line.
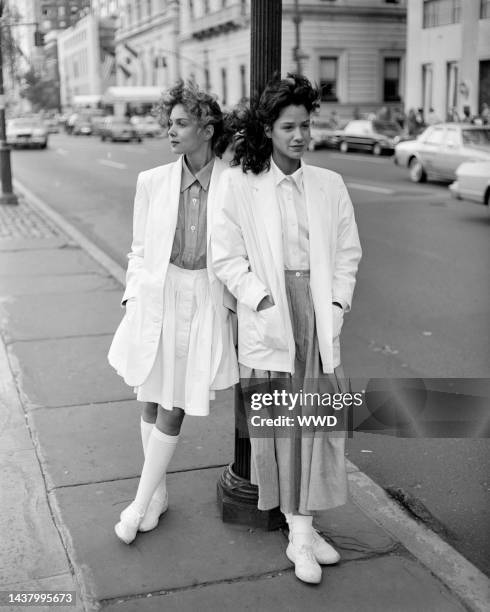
460,576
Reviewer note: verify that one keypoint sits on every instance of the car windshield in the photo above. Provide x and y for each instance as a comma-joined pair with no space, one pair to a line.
479,138
387,128
124,124
21,123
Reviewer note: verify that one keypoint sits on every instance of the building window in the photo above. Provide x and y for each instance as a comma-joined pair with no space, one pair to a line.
206,6
427,86
243,81
441,12
149,7
452,87
391,79
328,78
224,86
485,9
137,10
191,8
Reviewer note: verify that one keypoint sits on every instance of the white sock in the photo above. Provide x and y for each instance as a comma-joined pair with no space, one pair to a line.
302,526
159,452
145,433
146,429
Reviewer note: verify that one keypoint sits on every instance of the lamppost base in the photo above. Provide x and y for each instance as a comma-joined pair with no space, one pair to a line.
9,199
237,499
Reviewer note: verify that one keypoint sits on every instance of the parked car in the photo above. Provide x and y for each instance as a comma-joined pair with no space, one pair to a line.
118,128
369,135
97,124
27,132
441,149
82,127
323,135
147,126
472,182
52,125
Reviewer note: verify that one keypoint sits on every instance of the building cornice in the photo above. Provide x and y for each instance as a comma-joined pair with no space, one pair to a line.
349,13
144,27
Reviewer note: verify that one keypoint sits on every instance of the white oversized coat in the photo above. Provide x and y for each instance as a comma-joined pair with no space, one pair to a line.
135,342
246,246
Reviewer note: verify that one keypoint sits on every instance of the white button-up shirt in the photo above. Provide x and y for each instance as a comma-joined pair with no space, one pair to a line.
294,218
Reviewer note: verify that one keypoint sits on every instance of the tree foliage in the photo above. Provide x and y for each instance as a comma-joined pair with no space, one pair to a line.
41,91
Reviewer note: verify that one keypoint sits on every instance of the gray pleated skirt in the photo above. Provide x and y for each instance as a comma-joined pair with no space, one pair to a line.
300,471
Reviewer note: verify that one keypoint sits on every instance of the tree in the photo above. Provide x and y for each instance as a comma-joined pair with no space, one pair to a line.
42,92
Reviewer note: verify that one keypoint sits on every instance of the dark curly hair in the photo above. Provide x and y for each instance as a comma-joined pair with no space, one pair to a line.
252,148
200,105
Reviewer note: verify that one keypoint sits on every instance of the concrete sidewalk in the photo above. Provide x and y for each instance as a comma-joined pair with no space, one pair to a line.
70,457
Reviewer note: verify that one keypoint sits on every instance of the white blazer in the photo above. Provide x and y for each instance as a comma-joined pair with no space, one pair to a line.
246,246
135,343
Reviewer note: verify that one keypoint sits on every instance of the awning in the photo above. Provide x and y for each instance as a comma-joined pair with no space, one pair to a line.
145,95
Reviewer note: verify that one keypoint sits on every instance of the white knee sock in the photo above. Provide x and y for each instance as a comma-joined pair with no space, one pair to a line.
145,433
159,452
146,429
302,526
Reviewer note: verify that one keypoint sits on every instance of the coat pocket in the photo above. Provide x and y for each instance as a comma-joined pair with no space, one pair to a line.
271,328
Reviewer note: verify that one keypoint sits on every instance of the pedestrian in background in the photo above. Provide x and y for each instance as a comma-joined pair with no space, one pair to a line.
285,243
174,344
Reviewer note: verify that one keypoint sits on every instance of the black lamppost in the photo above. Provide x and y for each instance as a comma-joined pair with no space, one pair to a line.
7,196
236,495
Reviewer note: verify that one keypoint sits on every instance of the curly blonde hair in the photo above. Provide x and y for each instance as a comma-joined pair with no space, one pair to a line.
200,105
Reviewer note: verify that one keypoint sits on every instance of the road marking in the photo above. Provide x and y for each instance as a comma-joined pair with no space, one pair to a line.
112,164
372,188
351,157
62,151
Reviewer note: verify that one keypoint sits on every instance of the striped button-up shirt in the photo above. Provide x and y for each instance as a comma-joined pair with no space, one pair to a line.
190,240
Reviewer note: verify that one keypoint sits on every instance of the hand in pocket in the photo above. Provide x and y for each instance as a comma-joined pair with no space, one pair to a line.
337,320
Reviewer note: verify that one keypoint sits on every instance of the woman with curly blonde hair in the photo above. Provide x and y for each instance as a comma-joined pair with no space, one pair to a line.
174,344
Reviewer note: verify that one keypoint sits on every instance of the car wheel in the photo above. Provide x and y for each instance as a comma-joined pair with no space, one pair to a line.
487,197
102,138
44,145
417,172
139,140
377,149
344,147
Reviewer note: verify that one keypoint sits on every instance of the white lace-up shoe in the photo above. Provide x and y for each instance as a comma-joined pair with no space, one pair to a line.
323,551
128,526
156,508
306,567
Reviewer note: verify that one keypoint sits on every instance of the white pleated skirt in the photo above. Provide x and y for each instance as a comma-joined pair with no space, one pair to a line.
180,375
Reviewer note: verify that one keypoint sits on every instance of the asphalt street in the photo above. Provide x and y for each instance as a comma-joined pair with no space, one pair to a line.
421,304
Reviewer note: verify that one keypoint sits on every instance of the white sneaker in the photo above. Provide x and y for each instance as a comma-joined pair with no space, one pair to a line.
127,528
323,551
306,567
156,508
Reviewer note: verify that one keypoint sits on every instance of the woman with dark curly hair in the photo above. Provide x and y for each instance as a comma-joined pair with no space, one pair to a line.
285,243
174,344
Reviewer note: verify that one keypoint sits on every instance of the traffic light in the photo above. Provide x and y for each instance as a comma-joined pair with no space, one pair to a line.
38,38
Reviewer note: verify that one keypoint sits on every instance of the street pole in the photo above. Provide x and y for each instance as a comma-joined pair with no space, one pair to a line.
297,32
237,497
7,196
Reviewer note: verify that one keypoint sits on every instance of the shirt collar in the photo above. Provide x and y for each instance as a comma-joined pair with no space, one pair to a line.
203,176
279,175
